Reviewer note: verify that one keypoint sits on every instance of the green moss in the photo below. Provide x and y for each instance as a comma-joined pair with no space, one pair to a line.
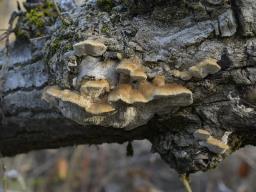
34,22
105,5
36,18
68,47
21,34
105,29
38,15
49,4
55,45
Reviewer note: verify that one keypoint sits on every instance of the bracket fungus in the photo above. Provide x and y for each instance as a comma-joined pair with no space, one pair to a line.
204,68
146,92
178,94
90,47
201,134
214,145
116,94
183,75
73,97
173,90
133,68
65,95
127,94
159,80
201,70
100,108
147,89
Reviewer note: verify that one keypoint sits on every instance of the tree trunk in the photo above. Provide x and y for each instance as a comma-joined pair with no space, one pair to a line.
206,47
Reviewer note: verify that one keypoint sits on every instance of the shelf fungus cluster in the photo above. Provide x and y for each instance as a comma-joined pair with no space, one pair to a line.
212,144
115,93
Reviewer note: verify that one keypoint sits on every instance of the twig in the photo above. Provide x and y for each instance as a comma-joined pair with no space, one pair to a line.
185,180
3,36
3,169
65,21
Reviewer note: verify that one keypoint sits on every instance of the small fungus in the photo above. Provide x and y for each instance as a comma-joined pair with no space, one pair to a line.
201,134
67,96
99,108
133,68
183,75
139,74
172,90
180,95
215,145
205,68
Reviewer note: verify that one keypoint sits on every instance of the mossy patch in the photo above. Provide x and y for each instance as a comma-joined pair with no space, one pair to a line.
36,18
35,21
105,29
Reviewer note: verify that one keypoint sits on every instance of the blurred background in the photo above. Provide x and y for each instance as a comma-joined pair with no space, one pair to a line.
107,168
6,8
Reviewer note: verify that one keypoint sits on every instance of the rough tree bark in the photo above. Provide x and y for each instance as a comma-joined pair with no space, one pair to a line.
206,46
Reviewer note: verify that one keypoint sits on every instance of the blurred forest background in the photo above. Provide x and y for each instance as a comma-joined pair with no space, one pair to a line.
107,168
6,8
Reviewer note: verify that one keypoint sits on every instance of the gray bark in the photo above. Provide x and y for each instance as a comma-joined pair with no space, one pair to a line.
168,37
